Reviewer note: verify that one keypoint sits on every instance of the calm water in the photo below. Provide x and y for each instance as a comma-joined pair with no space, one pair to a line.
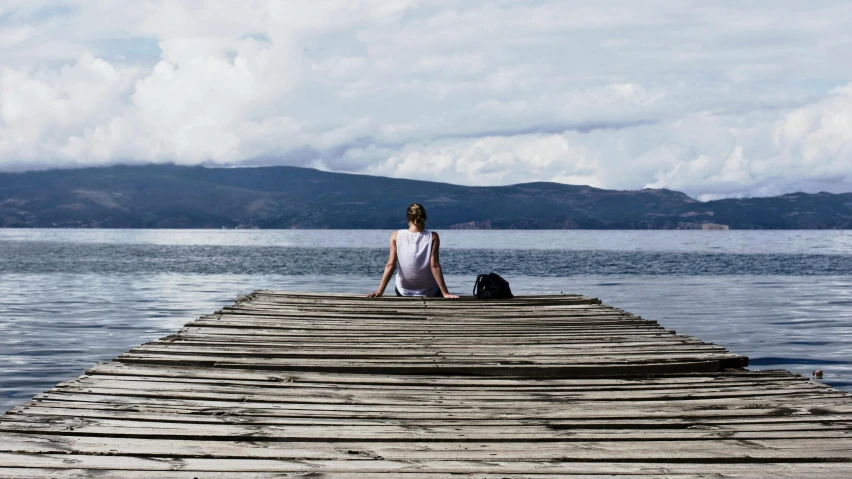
71,298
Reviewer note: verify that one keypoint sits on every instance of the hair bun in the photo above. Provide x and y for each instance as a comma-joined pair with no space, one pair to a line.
416,214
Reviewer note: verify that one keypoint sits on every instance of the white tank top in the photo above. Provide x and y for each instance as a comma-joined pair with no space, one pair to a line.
414,273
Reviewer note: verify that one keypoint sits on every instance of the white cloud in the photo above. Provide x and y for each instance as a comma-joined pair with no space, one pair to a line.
12,36
716,99
493,160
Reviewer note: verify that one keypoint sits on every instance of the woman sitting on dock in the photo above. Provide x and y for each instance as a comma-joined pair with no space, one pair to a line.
415,250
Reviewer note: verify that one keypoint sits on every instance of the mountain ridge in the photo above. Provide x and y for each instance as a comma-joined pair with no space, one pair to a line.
171,196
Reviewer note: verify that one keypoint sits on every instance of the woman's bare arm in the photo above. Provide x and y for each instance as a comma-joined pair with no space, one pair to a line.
435,264
390,267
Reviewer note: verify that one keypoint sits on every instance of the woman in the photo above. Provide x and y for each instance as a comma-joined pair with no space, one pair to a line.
416,252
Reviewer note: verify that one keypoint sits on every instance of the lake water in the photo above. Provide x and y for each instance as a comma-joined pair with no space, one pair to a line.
71,298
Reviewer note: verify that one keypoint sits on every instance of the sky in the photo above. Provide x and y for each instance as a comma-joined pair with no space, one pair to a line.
713,98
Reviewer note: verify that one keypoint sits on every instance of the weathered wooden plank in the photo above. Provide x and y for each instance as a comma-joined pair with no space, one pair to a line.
86,473
613,369
582,355
417,469
801,404
283,333
288,390
821,449
534,367
427,318
479,315
407,432
251,340
189,416
471,387
297,382
293,387
797,403
415,354
475,382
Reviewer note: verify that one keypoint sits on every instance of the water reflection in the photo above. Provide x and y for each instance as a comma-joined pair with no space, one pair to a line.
822,242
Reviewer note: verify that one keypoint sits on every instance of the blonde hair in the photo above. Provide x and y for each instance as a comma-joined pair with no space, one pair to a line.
416,214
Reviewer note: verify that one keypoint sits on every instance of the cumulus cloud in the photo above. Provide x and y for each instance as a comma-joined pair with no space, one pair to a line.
716,99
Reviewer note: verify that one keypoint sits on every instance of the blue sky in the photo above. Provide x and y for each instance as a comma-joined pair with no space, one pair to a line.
717,99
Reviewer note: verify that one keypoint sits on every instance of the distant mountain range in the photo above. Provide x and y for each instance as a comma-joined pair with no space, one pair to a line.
168,196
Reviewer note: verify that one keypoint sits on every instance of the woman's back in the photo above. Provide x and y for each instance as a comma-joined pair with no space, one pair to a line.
414,252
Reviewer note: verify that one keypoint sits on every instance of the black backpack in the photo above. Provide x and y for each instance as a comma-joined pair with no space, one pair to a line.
491,286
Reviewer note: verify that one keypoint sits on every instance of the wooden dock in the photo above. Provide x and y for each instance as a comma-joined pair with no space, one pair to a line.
338,386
